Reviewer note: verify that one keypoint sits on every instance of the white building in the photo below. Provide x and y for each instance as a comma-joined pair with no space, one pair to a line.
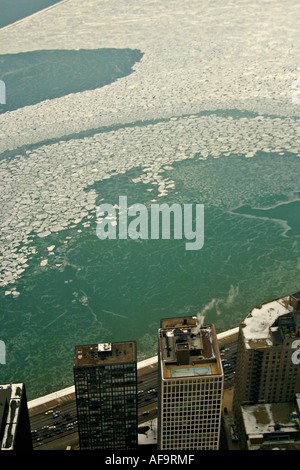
190,386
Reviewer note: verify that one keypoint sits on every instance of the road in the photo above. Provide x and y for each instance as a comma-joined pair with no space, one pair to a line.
65,432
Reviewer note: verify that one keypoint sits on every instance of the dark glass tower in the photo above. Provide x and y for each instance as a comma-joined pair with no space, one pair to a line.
105,378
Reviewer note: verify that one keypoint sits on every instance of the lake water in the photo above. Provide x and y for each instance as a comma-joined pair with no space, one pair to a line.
15,10
118,103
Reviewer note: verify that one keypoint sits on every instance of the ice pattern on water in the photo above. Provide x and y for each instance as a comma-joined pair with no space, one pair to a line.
44,191
197,56
187,68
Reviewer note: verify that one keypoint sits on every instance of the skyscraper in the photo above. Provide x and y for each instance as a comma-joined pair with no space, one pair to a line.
266,372
106,395
190,385
15,431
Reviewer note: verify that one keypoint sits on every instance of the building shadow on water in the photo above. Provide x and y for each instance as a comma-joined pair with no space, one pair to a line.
32,77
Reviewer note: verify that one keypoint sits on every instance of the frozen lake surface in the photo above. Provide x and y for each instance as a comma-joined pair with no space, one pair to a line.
166,101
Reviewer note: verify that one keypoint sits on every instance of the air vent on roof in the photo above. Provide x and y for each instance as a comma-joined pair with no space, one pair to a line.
277,426
104,350
295,301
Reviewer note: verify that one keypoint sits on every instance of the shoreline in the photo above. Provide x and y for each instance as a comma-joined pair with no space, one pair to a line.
64,393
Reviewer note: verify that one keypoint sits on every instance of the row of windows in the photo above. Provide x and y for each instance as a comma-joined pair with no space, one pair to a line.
187,386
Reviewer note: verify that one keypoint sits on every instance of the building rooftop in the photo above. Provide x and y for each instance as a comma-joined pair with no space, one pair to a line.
267,324
11,394
188,349
272,426
270,418
105,353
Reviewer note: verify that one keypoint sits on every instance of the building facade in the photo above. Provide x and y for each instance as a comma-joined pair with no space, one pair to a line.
105,377
266,371
190,385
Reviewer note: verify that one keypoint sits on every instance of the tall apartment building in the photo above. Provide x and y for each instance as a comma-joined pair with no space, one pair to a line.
266,371
15,431
105,378
190,385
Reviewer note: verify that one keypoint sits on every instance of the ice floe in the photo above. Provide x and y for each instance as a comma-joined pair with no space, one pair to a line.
199,58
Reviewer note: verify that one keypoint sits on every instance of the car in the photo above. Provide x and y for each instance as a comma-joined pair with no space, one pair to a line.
65,415
48,412
56,414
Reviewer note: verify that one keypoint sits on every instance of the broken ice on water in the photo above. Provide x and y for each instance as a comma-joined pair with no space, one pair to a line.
185,77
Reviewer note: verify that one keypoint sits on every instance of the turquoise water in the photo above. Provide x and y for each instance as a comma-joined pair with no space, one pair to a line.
112,290
51,74
21,9
60,285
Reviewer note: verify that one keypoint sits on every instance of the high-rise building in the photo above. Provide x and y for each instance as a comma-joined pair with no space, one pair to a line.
266,371
190,385
15,431
106,395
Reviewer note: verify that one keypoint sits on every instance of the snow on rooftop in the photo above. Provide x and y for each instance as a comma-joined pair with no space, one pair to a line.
261,418
150,436
13,414
259,320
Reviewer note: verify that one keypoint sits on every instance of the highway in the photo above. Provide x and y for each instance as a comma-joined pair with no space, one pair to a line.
228,357
50,431
55,432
